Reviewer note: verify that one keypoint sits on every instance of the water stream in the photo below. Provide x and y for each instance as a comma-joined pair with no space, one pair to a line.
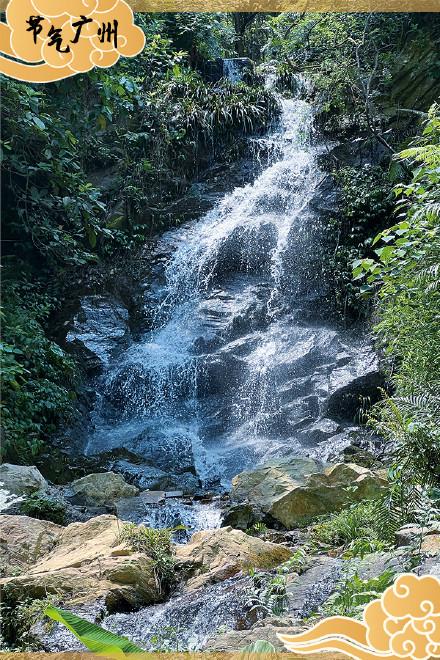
236,368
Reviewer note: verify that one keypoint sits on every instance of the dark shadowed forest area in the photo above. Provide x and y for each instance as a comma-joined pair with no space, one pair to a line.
220,413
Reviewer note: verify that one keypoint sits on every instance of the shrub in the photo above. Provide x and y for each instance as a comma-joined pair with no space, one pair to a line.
354,593
38,379
404,277
44,508
156,543
356,529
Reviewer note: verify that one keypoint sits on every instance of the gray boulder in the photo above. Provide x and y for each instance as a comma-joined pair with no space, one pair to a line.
101,488
21,479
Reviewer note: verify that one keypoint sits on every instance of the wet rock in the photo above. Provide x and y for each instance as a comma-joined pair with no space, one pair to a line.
188,620
321,430
57,638
88,564
266,630
100,326
21,479
240,516
147,477
352,383
376,563
101,488
169,451
216,555
306,592
291,499
24,540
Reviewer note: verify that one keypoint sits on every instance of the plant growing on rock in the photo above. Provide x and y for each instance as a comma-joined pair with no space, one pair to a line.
156,543
356,530
44,508
354,593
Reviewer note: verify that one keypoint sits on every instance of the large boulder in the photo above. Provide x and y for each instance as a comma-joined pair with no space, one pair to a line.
291,501
21,479
101,488
216,555
264,485
87,564
24,540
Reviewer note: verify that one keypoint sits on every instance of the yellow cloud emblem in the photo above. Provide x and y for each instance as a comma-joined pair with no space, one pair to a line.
55,39
403,623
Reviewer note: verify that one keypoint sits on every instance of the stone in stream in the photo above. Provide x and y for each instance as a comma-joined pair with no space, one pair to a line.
235,640
215,555
86,565
308,591
291,498
101,488
21,479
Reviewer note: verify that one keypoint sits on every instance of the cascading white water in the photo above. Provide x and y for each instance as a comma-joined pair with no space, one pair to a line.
232,372
220,264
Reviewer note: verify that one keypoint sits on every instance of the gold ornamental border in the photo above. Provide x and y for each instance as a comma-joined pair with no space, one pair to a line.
363,6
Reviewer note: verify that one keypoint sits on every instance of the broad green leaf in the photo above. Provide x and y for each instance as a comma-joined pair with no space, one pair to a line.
95,638
260,646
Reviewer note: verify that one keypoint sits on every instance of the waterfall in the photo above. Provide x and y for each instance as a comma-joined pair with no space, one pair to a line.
233,371
232,70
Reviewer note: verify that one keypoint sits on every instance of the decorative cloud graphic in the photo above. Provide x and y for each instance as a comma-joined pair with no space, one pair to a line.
45,62
403,623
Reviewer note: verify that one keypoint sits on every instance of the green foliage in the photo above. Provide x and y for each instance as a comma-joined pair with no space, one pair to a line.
17,622
404,273
353,61
260,646
257,529
268,594
38,378
354,593
365,206
95,638
44,508
355,529
296,563
156,543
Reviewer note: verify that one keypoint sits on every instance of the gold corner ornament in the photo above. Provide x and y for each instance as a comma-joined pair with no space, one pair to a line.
403,623
47,40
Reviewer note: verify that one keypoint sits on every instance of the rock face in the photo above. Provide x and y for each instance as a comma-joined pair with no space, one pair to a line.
101,488
99,327
263,486
216,555
21,479
86,565
361,377
289,501
24,540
